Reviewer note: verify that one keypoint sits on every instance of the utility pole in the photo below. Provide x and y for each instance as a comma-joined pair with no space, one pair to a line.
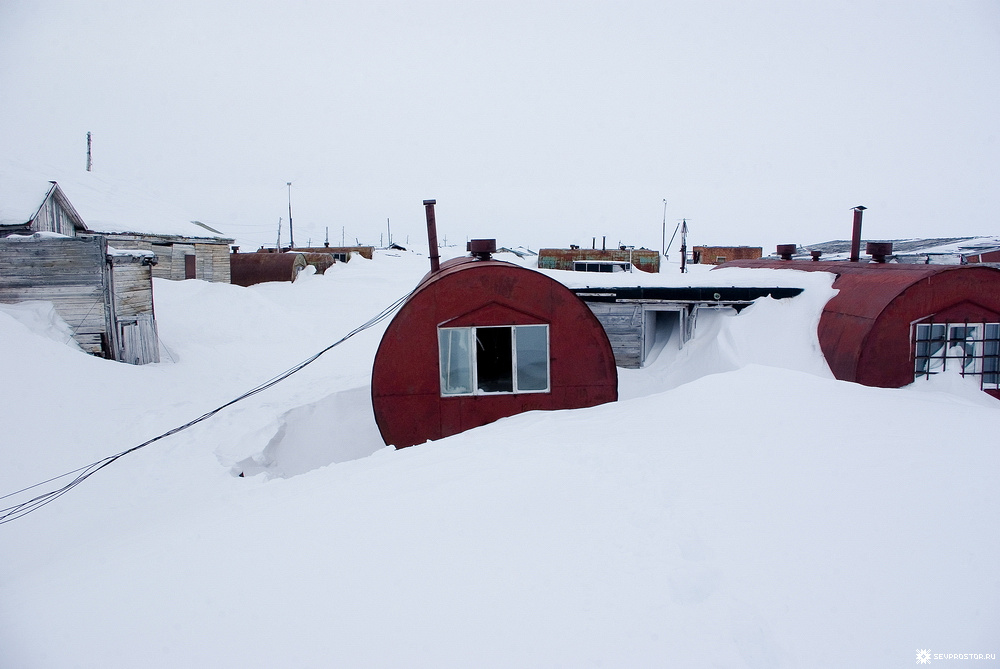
663,239
291,232
388,231
278,244
684,243
90,160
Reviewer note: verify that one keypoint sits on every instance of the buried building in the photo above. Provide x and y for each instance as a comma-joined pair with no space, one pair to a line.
480,339
890,324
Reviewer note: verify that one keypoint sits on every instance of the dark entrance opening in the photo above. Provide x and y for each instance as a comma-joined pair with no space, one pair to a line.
494,360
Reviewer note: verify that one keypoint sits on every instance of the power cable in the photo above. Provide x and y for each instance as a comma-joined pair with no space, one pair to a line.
83,473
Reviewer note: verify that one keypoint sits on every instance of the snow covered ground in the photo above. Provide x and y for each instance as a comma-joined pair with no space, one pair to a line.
736,508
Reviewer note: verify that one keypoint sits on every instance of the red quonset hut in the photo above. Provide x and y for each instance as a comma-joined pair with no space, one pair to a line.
481,339
890,324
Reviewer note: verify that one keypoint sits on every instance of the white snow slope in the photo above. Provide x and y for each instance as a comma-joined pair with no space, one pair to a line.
739,508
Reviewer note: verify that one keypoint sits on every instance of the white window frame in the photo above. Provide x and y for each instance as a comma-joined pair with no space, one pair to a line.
473,367
977,354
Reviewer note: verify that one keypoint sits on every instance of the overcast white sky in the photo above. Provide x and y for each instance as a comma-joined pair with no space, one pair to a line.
538,123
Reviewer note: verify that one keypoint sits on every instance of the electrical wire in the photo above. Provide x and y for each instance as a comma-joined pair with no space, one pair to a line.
83,473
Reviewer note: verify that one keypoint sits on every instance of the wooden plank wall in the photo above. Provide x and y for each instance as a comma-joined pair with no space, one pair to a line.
211,264
73,274
140,343
133,298
623,324
133,287
51,217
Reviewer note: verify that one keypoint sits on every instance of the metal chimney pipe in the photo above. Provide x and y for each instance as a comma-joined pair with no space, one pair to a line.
856,234
432,235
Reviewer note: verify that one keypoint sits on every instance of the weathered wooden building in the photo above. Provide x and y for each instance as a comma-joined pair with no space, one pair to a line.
105,297
179,256
25,211
716,255
637,319
622,259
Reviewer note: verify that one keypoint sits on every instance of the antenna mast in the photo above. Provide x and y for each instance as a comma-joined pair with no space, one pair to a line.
291,231
684,241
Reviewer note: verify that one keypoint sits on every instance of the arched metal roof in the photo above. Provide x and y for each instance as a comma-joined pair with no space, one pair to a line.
865,330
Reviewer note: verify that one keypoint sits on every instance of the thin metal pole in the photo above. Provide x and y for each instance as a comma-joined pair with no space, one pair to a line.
291,231
663,238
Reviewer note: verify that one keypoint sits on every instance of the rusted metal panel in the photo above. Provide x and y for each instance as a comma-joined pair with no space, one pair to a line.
642,259
248,269
363,251
865,330
406,387
989,256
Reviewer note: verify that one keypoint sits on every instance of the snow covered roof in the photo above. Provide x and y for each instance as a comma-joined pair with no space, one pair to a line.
18,204
833,250
106,203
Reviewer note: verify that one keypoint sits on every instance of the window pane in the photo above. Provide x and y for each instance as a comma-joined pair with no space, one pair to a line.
991,355
532,357
456,368
494,360
963,342
930,348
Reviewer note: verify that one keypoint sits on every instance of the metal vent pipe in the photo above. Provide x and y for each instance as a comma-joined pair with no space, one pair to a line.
432,235
856,235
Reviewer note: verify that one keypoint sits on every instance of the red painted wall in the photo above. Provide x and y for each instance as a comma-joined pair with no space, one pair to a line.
989,256
865,329
406,393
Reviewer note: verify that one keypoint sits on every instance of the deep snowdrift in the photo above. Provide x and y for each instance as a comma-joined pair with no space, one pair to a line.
738,507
